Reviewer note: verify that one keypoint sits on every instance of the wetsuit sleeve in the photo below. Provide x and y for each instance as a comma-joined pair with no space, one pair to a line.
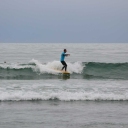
65,54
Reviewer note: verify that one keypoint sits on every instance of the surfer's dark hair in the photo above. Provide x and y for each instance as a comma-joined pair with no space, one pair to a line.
64,49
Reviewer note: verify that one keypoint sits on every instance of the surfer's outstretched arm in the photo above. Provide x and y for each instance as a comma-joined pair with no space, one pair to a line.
67,54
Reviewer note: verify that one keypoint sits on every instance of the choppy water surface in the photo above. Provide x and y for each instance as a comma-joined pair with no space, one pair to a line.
95,94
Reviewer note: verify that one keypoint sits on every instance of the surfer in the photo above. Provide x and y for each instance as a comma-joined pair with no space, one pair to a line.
62,59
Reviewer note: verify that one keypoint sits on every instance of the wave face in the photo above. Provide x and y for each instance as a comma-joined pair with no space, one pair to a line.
78,70
106,70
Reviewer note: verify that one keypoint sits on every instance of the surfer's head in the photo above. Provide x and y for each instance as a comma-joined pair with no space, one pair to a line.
65,50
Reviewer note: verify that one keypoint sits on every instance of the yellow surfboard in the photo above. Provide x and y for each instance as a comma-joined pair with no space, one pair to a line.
64,75
62,72
65,72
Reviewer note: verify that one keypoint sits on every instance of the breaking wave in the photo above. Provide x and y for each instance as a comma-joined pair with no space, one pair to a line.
78,70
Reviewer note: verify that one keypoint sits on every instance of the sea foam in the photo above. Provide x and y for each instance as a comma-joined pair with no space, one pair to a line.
61,95
51,67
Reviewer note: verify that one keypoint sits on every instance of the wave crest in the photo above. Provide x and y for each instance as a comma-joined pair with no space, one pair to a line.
37,70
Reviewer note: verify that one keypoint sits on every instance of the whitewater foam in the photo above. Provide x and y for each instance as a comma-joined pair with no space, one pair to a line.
61,95
51,67
84,90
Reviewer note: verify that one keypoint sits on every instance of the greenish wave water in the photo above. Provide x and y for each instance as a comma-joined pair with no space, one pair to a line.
90,70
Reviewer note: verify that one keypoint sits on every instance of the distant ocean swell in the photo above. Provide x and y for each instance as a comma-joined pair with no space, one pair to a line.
83,70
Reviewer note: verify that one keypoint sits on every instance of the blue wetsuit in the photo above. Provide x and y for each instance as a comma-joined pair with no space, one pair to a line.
62,56
62,60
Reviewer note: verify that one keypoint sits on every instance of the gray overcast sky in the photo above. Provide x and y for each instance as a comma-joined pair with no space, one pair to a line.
64,21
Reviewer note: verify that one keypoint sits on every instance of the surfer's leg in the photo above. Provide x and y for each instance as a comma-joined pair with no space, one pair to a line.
65,68
65,65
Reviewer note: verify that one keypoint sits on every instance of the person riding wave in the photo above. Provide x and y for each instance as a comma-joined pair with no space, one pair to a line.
62,59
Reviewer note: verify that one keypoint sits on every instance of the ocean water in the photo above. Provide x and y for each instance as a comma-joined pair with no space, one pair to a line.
34,95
